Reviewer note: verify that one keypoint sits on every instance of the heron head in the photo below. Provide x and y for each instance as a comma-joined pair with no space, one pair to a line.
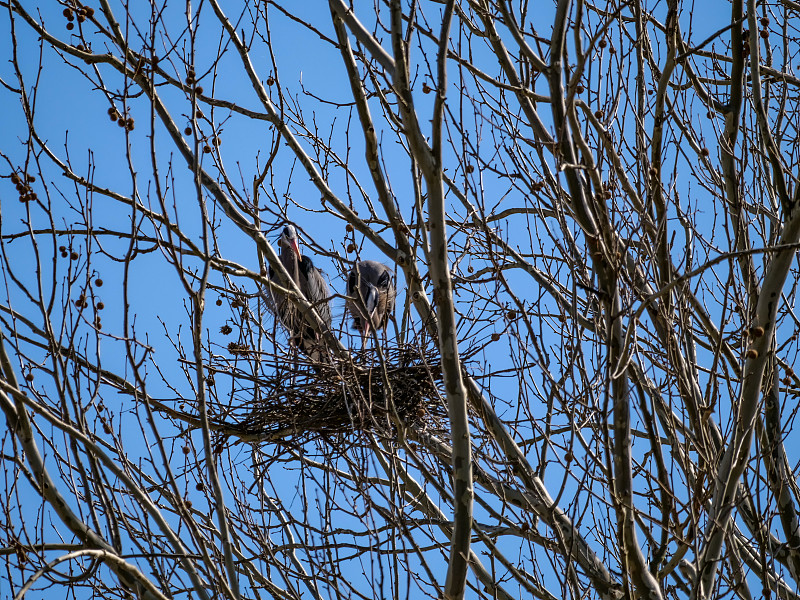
289,240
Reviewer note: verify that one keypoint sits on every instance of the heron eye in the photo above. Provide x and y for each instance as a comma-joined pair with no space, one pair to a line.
383,280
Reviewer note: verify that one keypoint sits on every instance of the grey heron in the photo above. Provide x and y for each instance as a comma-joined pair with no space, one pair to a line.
312,284
372,295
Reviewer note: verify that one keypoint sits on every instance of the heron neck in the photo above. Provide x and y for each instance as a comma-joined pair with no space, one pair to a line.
290,262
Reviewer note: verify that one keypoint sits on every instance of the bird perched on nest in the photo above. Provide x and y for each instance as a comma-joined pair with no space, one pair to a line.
372,294
309,279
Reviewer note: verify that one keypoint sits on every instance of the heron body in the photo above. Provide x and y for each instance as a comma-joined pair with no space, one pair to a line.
312,284
372,293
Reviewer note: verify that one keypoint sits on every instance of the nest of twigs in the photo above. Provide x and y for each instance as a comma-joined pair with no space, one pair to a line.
305,400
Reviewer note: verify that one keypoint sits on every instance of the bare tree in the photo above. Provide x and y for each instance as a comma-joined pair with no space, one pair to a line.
587,389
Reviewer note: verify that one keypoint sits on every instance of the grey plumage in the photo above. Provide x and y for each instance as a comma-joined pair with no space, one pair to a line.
312,284
372,293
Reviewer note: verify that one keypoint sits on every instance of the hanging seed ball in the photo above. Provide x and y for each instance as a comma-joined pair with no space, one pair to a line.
98,282
62,248
70,25
348,228
495,337
219,302
188,131
210,381
752,353
470,168
764,21
710,115
426,89
89,11
67,12
198,90
121,122
757,332
64,254
270,80
73,255
113,116
129,123
351,248
15,178
199,487
30,178
21,188
512,314
81,18
206,149
107,428
80,47
225,330
705,152
580,89
186,449
599,114
29,377
764,33
100,306
602,43
217,141
200,114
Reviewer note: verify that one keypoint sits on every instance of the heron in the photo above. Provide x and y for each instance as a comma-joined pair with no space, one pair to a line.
372,295
312,284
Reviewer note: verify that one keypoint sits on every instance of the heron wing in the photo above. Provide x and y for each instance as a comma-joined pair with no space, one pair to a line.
316,290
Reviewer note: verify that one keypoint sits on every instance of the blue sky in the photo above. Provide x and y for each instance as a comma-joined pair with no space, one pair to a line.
71,117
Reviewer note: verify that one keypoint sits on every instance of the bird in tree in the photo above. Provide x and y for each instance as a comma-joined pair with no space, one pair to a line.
312,284
372,293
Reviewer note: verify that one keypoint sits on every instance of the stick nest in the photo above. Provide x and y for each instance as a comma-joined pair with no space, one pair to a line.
299,402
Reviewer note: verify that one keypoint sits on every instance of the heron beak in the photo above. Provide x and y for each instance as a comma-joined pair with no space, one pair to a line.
295,247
